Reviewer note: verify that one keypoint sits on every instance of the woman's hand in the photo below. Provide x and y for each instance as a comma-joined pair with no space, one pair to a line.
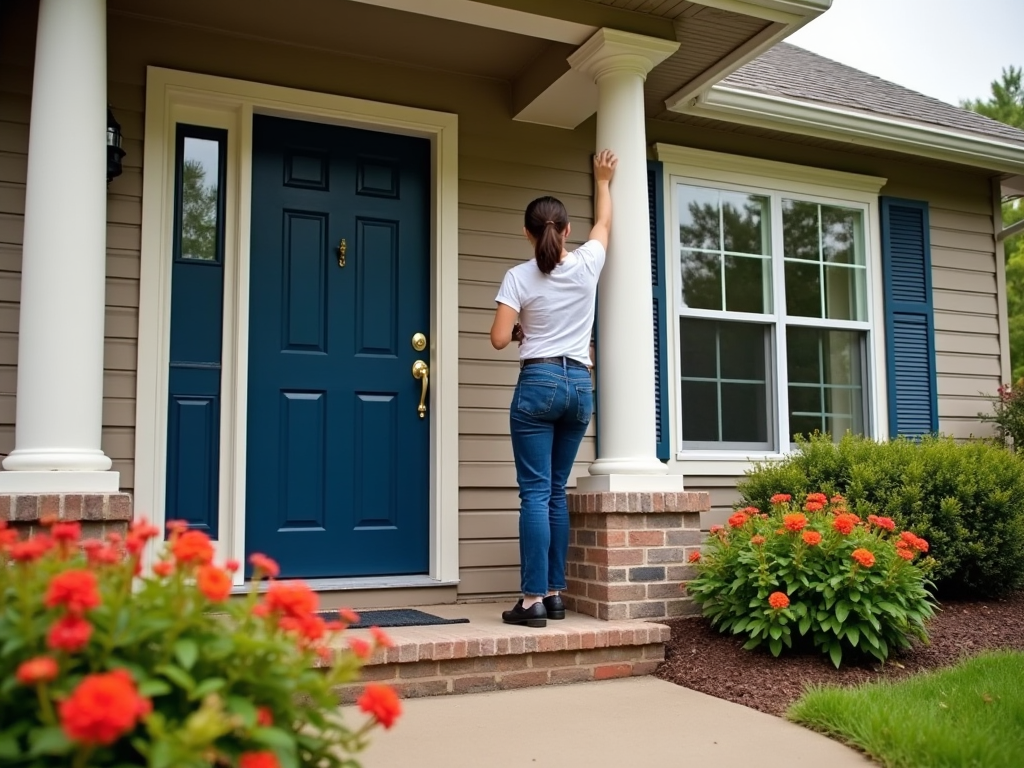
604,165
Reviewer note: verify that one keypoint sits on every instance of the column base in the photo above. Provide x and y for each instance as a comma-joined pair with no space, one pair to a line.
631,483
629,553
99,513
35,460
59,481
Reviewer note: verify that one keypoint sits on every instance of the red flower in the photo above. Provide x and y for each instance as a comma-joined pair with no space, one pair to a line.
263,564
382,702
864,557
265,759
264,716
348,616
914,541
70,634
381,637
163,569
360,647
886,523
177,526
8,536
906,554
778,600
812,538
47,521
837,499
920,544
795,522
78,591
751,511
716,529
291,598
30,550
103,708
310,626
814,506
232,566
98,553
66,533
145,530
817,498
738,520
695,556
845,523
214,583
41,669
757,541
193,547
781,498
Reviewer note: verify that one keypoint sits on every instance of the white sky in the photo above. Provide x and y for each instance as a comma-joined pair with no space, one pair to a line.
948,49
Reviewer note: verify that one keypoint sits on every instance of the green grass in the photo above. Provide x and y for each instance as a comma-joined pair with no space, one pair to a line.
967,716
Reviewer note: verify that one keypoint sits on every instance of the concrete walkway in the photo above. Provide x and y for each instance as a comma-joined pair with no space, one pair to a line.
612,724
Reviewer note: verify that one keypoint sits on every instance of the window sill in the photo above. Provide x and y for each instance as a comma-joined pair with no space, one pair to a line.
722,464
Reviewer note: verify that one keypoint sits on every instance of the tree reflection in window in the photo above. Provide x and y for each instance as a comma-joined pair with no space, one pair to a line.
200,199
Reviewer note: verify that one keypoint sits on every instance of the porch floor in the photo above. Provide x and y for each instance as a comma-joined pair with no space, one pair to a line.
487,655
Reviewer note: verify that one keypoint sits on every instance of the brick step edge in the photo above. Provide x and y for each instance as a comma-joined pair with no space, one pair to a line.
503,673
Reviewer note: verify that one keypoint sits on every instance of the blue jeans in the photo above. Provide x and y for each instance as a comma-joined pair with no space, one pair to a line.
551,408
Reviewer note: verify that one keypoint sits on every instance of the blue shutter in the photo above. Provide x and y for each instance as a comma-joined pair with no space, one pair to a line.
656,203
909,324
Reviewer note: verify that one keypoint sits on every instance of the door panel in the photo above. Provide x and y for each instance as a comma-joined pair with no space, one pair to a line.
337,458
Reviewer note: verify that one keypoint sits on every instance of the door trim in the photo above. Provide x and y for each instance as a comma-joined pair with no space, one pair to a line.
174,96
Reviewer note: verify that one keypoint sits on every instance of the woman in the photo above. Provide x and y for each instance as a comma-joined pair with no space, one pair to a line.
553,297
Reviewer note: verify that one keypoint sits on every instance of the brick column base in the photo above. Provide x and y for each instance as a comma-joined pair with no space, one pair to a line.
629,553
99,513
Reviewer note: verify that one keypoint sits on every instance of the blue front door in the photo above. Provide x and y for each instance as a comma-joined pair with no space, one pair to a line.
337,450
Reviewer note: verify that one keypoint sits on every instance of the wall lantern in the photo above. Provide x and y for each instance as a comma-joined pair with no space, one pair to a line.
114,151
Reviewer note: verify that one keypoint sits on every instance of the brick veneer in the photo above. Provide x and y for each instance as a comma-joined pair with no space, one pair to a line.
99,513
628,553
449,660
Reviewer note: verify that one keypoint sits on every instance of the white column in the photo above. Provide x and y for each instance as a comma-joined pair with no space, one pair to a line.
619,62
60,338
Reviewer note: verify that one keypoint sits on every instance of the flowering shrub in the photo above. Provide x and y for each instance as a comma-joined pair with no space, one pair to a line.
814,572
100,666
1008,414
966,499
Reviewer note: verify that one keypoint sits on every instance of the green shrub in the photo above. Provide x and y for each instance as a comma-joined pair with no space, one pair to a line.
821,574
967,499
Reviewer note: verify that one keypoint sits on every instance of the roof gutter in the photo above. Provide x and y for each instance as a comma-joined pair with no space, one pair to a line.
735,105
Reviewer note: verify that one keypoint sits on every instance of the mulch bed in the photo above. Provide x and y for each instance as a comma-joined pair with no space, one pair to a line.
700,658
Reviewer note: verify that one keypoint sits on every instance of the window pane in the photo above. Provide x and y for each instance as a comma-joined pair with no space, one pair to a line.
745,223
699,220
199,174
744,413
698,348
800,230
803,289
842,240
743,350
826,378
747,284
700,411
844,293
724,385
702,280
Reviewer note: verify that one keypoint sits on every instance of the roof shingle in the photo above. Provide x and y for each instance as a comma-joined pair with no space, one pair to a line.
793,72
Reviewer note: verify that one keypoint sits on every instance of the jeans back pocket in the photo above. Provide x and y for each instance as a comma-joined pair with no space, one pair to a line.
535,398
585,398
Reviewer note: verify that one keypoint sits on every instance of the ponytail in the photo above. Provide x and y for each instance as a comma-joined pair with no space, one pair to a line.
547,220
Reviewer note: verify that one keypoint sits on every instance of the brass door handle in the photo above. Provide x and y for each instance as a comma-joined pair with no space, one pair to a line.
342,250
422,372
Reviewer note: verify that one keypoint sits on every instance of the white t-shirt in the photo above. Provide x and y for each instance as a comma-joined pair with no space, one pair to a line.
556,311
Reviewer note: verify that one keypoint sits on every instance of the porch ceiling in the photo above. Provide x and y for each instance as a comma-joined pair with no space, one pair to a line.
353,29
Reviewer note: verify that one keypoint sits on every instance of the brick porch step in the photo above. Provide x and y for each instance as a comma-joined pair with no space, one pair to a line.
487,655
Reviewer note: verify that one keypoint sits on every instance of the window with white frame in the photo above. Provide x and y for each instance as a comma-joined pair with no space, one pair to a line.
772,306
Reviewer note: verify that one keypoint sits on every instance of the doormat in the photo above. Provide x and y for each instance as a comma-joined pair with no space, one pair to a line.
398,617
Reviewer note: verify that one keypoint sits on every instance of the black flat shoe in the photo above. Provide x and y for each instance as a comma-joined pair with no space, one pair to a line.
534,616
554,606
